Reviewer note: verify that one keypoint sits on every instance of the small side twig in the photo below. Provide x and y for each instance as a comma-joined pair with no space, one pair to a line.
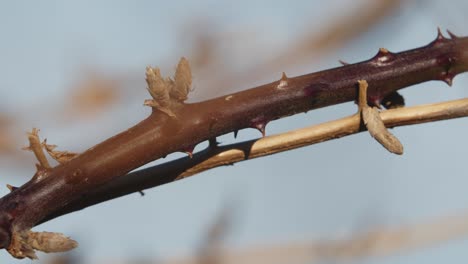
36,147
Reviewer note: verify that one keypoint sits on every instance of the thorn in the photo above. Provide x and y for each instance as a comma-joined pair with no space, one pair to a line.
283,83
452,36
383,51
11,187
235,133
439,34
440,37
344,63
284,77
189,150
383,55
141,193
259,123
448,79
261,127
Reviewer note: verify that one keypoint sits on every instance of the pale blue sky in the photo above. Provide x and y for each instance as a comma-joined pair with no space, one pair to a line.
322,191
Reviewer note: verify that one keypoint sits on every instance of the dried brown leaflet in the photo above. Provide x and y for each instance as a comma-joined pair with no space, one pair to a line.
177,126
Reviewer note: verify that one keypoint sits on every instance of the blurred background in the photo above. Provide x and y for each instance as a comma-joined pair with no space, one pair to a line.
75,69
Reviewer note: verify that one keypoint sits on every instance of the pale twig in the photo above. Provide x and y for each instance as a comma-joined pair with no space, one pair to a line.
371,119
36,147
327,131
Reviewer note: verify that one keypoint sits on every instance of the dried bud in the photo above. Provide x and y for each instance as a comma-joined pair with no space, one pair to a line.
51,242
157,87
182,80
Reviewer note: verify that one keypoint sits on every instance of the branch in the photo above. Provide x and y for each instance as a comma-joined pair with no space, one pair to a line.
176,126
233,153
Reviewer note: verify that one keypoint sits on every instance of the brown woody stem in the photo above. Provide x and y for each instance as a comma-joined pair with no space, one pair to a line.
233,153
160,134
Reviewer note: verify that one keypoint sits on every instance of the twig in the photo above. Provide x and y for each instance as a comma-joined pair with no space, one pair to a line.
36,147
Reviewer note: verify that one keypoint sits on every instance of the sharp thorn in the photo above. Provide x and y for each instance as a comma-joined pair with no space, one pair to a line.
11,187
344,63
261,127
383,51
235,133
284,77
448,80
452,36
189,151
439,34
283,82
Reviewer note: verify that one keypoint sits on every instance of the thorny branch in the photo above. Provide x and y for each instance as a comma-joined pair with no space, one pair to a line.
177,126
247,150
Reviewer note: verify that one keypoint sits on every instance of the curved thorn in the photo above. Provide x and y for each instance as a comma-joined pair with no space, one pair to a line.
344,63
439,34
452,36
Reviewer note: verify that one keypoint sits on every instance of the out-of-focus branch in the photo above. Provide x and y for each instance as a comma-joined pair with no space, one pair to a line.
311,44
379,242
